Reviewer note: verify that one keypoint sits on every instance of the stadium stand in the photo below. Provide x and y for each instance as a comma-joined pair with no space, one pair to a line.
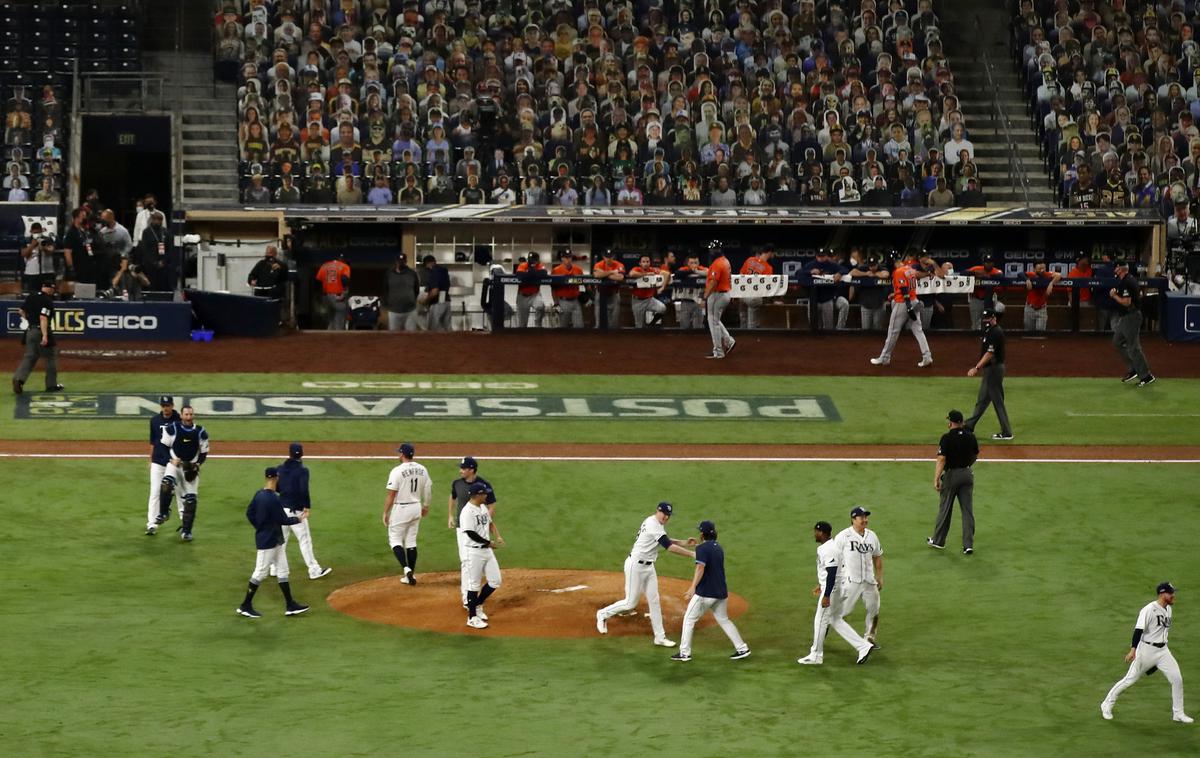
588,102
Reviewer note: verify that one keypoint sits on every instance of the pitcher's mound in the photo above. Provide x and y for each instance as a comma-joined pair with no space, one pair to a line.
547,603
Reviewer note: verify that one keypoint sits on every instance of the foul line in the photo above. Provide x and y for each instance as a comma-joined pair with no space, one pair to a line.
618,458
1133,415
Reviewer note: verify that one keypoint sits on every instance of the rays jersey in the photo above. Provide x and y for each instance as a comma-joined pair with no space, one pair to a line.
856,554
1155,622
410,481
651,536
474,518
827,558
187,443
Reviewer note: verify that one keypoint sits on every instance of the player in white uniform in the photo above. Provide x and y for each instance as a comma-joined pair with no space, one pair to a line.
1149,652
860,568
408,494
640,576
476,525
829,601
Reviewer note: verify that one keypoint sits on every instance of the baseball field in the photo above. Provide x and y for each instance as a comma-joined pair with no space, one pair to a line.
121,644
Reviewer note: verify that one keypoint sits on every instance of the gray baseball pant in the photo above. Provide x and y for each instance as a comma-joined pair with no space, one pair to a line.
644,308
976,307
35,350
749,310
570,314
1106,318
991,392
896,324
872,318
402,321
439,317
826,310
1036,318
526,303
956,483
717,303
337,308
926,315
611,302
1127,338
689,315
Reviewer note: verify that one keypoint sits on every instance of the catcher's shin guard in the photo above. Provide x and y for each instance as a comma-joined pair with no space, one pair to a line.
165,491
189,512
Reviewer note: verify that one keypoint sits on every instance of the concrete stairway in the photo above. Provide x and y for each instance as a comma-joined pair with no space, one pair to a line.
963,45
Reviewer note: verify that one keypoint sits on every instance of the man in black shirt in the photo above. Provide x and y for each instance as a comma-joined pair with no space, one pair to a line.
1127,325
38,312
268,276
990,368
77,247
953,478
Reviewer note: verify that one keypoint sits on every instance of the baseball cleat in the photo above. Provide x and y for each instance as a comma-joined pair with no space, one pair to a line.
681,657
185,536
1183,718
151,531
1106,711
714,356
476,623
1148,380
1129,377
933,544
18,387
864,654
729,348
479,612
55,388
810,660
740,654
601,623
323,572
248,612
926,361
162,518
968,551
871,639
405,579
664,642
1002,436
879,362
295,609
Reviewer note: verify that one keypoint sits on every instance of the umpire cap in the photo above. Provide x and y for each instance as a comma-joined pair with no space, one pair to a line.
987,313
1166,587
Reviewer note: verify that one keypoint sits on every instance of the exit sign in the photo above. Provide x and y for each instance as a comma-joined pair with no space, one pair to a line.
127,138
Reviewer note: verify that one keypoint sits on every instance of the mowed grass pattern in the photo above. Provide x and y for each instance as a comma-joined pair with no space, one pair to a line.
119,644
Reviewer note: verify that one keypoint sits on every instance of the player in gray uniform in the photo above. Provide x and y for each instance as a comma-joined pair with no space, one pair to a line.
1149,653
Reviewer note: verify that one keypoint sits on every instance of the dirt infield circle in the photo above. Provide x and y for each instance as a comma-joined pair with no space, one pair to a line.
534,603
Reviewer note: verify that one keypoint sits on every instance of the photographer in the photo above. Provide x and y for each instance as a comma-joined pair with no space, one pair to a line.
129,280
38,255
1183,234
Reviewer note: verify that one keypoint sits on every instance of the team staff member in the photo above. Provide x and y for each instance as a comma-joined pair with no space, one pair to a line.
468,474
566,296
409,491
436,296
984,298
293,494
1127,326
401,288
608,300
38,313
871,298
1149,652
906,311
687,289
716,299
647,308
750,308
267,277
953,479
265,514
861,564
334,277
529,292
1039,285
830,298
829,601
78,250
708,593
991,371
481,536
640,576
160,456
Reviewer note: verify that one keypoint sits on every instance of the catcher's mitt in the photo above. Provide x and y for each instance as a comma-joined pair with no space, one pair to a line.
191,471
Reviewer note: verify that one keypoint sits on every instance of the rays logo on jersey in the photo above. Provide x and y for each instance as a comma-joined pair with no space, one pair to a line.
1164,621
481,521
860,547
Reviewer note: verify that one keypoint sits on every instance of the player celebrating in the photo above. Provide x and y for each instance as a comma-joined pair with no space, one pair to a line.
187,445
477,527
1149,652
156,513
906,310
640,576
860,563
829,602
468,472
408,494
708,593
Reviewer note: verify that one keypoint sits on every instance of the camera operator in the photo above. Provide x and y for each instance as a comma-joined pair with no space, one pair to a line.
1183,236
129,280
38,253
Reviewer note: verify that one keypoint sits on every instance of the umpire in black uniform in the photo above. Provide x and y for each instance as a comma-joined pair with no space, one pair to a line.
990,369
1127,325
38,311
953,478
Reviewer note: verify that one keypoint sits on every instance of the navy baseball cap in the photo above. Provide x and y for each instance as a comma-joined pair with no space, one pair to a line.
476,488
295,450
955,416
271,473
988,313
468,462
406,448
666,508
707,527
166,400
1166,587
858,510
823,526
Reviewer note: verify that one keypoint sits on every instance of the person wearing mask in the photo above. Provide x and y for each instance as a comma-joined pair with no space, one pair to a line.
152,252
38,255
115,243
78,249
436,296
129,281
402,287
269,275
334,276
38,312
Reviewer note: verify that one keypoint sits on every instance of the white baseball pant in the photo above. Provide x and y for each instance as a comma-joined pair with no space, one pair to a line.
1148,657
403,525
851,592
481,565
640,579
304,538
182,486
462,564
825,618
696,609
276,557
157,471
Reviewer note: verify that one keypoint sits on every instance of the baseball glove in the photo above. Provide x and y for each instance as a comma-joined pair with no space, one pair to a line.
191,471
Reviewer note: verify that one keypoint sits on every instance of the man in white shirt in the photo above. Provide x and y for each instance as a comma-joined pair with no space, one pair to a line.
640,576
408,494
829,601
860,566
1149,652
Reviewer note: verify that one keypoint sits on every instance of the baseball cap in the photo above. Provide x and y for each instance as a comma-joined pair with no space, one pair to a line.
48,281
271,472
406,448
955,416
1166,587
476,488
665,507
823,526
295,450
166,400
468,462
707,527
987,313
858,510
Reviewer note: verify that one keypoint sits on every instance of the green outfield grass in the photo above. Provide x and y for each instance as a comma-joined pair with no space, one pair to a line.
119,644
870,410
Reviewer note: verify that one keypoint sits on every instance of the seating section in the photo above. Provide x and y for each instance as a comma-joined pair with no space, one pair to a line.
595,103
1113,97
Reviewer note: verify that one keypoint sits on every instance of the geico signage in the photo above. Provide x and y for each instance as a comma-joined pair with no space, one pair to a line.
76,321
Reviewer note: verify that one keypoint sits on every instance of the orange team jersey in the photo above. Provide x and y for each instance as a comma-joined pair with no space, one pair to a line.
718,275
754,265
528,289
641,293
982,272
601,267
1085,294
330,276
904,278
566,291
1037,296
